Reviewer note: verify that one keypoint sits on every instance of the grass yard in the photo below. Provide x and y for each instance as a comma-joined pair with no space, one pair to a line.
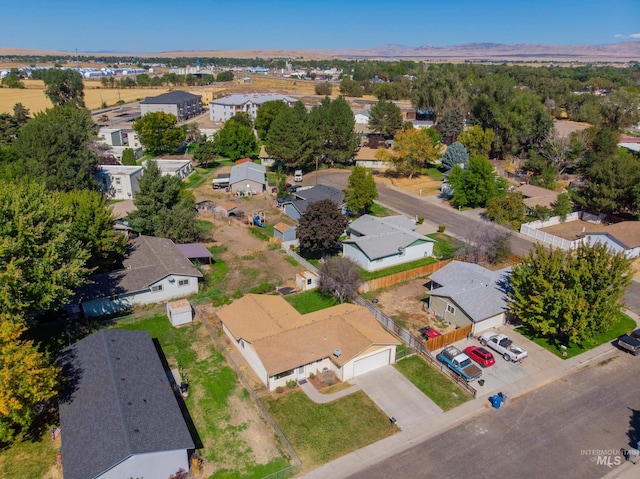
381,211
399,268
432,382
212,385
622,325
30,459
322,432
445,246
311,301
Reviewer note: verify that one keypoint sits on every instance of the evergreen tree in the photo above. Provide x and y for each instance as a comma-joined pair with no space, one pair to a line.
335,123
128,157
267,113
456,154
292,140
385,118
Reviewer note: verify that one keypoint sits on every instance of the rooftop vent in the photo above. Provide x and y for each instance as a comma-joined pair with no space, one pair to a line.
337,353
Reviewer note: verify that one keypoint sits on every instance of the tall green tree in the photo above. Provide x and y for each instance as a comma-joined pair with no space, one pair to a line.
451,124
361,191
159,133
235,140
54,149
267,113
507,210
224,76
292,140
12,80
351,88
41,260
621,109
437,90
28,378
64,87
476,184
570,295
205,153
320,227
128,157
93,228
385,117
334,122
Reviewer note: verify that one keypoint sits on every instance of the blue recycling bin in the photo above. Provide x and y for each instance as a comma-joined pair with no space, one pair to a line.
496,401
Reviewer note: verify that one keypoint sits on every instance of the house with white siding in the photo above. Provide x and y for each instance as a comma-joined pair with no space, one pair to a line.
377,243
466,293
248,177
154,271
119,182
282,345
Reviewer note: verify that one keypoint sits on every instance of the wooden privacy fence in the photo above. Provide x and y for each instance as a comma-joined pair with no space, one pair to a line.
449,338
392,279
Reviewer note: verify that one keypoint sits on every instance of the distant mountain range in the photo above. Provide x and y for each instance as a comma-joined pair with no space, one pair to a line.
625,51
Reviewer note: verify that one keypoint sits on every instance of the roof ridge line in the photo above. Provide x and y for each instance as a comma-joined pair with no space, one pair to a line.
127,437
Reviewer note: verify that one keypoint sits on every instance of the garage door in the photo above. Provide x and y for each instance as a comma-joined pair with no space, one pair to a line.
370,363
489,323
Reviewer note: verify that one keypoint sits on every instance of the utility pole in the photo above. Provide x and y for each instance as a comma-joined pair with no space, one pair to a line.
77,59
317,158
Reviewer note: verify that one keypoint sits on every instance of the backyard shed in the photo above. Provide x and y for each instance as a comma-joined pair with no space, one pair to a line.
180,312
284,232
195,252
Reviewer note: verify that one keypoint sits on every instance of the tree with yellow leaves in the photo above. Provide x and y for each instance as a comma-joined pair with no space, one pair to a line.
27,376
412,150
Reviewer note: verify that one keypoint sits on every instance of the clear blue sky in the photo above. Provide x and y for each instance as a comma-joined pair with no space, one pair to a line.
161,25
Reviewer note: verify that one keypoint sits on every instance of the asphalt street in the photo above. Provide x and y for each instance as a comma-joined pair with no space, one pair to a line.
572,428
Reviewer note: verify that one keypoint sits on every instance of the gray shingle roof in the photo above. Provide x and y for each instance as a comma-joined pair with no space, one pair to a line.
118,403
149,259
248,171
170,98
383,237
480,292
303,198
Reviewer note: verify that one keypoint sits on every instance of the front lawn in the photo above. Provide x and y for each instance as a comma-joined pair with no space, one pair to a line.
622,325
30,459
435,385
381,211
311,301
399,268
445,246
322,432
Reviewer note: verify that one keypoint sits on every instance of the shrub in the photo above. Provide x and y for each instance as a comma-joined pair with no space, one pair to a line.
312,376
291,384
441,228
279,390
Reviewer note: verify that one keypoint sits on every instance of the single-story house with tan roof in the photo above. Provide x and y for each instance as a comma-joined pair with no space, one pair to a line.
366,157
282,345
620,237
537,196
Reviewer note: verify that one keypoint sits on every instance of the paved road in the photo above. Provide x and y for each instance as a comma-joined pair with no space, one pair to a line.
537,436
457,223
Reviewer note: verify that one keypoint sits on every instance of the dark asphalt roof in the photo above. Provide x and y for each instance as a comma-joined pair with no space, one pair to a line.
171,98
118,402
149,259
194,250
304,197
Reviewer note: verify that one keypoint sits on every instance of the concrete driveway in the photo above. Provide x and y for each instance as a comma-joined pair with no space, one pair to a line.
398,397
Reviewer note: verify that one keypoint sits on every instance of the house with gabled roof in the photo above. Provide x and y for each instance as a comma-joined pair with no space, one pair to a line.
248,177
224,108
295,205
535,196
119,416
466,293
154,270
281,344
377,243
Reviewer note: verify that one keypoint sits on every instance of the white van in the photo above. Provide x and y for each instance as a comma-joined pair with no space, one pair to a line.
298,175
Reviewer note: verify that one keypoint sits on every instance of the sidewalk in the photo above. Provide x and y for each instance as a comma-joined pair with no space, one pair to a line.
381,450
319,398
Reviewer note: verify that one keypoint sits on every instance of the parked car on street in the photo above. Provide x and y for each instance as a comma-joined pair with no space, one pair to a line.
630,342
480,355
428,332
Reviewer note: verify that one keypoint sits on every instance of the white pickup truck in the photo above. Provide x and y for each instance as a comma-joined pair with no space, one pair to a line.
503,345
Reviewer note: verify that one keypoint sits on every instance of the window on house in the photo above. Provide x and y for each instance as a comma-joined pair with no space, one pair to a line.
183,282
283,375
157,288
309,281
451,309
117,181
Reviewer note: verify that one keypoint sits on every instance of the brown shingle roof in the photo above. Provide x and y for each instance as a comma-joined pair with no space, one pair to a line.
281,227
285,339
626,232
